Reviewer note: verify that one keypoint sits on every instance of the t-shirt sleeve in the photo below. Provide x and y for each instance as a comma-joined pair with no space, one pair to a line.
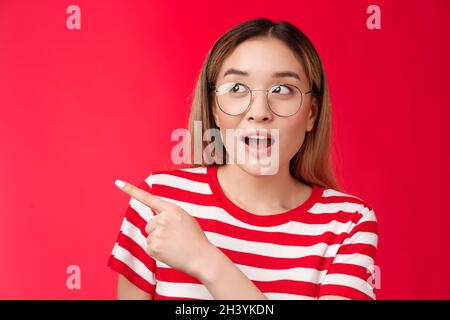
352,270
128,256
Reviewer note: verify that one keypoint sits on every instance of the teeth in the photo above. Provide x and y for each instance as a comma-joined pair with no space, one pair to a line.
256,137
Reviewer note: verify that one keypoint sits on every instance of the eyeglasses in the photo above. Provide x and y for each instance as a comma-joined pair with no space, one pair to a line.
234,98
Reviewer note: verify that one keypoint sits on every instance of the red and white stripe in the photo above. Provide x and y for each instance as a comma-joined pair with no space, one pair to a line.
325,250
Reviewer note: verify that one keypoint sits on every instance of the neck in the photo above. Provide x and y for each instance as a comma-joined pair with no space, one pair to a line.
265,193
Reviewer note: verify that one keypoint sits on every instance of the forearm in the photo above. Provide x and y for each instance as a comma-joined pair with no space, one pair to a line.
225,281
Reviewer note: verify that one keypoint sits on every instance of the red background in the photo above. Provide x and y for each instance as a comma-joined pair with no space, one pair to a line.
80,108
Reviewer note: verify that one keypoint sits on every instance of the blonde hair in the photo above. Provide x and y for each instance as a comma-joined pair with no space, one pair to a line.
312,164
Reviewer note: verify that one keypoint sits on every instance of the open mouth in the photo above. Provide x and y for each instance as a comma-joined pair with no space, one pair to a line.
258,141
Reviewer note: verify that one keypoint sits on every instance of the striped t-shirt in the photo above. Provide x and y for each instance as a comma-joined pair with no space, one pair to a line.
325,246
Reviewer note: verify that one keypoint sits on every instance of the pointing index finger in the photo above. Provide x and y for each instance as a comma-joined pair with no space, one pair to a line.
150,200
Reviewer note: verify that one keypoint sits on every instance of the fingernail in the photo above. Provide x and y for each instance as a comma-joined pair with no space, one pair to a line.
119,183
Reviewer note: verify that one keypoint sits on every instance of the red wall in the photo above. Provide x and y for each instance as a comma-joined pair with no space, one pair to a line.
80,108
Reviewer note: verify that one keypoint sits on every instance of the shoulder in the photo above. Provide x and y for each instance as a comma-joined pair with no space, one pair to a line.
191,178
333,200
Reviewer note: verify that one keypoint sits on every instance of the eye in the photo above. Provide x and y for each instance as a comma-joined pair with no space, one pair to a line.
281,89
232,88
237,87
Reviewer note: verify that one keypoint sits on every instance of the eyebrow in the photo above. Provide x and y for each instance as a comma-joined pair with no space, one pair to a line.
280,74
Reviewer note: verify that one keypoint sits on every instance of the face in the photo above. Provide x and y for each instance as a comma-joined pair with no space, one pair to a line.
260,59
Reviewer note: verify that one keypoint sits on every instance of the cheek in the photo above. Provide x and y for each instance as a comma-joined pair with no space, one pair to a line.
227,122
292,133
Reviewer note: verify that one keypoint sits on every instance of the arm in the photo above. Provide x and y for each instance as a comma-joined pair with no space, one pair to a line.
225,281
135,269
126,290
176,239
351,272
228,278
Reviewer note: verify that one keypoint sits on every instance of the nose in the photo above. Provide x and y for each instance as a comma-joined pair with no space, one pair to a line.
259,109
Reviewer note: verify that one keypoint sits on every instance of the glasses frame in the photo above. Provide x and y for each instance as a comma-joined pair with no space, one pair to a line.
302,94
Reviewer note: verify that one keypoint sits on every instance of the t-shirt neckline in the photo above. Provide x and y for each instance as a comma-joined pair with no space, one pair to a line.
255,219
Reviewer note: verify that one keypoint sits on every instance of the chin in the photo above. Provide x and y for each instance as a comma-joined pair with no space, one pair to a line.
256,163
258,169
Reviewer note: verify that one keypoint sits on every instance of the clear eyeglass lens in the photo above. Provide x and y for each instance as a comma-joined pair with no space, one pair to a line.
284,99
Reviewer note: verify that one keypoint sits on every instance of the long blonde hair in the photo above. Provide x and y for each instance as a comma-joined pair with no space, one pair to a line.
312,164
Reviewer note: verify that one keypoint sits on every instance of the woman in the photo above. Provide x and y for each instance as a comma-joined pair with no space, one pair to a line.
230,230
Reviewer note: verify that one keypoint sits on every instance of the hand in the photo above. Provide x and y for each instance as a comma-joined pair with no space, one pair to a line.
175,238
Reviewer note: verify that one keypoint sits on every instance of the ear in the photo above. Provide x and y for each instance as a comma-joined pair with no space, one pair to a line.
312,115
